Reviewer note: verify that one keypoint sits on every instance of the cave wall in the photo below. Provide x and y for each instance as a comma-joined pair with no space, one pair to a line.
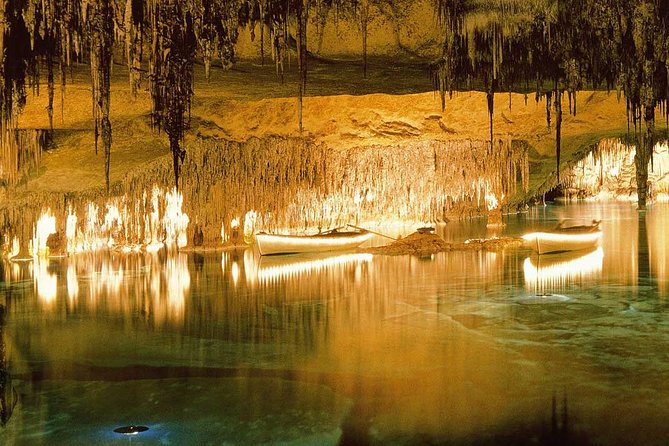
20,153
608,173
296,184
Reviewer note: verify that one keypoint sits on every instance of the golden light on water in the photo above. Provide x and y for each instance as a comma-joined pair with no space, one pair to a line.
272,269
107,280
72,282
553,272
177,278
658,249
142,283
46,283
234,272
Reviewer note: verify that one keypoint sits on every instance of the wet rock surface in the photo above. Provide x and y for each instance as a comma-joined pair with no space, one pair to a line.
422,243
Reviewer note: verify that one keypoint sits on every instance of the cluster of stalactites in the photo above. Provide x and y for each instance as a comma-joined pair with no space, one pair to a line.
608,172
36,36
561,49
146,222
20,152
303,186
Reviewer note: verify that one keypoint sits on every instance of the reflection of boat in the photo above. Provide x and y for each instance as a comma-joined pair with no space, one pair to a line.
554,271
282,267
561,239
334,240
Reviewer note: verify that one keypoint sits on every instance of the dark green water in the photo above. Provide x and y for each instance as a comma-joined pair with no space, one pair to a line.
460,348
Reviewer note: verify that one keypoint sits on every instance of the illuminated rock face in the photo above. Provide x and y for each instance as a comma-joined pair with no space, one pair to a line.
296,184
291,183
608,173
20,151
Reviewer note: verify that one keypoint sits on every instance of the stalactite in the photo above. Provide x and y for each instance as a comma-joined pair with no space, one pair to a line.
549,102
51,87
301,14
558,129
644,154
101,29
364,22
490,96
133,23
300,185
173,55
21,153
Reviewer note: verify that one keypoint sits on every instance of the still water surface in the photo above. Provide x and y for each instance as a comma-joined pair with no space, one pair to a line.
458,348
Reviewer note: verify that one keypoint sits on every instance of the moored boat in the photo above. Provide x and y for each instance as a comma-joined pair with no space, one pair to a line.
335,240
562,239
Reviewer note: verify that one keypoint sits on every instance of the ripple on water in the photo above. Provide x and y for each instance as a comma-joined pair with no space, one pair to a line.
542,298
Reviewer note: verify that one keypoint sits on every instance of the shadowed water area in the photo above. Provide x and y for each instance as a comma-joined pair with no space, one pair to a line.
458,348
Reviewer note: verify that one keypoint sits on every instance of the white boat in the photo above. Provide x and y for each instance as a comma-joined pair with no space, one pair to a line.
562,239
335,240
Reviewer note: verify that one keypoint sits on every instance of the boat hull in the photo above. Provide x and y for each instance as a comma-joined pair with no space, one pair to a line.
562,241
271,244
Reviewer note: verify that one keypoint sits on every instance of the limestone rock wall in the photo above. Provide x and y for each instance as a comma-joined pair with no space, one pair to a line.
608,172
298,185
20,152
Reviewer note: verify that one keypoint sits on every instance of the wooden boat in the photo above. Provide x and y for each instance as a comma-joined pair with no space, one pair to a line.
334,240
562,239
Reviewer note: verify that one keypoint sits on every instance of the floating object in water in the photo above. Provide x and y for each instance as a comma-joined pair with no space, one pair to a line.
21,259
334,240
543,298
131,430
562,239
425,230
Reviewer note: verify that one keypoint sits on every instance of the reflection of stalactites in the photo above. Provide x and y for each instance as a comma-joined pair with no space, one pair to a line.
46,283
234,272
8,396
72,282
553,272
658,249
643,251
177,280
107,281
250,267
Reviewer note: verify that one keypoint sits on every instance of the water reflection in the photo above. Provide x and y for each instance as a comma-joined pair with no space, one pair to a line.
416,350
46,282
658,246
152,285
266,270
8,395
550,273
